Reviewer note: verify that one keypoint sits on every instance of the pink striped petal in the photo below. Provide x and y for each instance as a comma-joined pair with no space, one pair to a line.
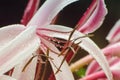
48,11
86,44
93,17
114,34
115,69
113,49
94,67
20,45
31,8
5,77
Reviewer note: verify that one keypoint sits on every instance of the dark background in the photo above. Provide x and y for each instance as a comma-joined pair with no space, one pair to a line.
11,12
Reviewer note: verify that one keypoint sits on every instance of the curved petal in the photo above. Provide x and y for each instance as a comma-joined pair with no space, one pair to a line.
114,34
93,17
20,45
48,11
86,44
5,77
56,62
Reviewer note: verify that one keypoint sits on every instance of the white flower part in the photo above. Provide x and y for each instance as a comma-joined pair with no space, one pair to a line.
5,77
86,43
114,34
17,47
48,11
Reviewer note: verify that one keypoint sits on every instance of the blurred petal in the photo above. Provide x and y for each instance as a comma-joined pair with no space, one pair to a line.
31,8
114,34
86,44
115,69
5,77
93,67
29,73
48,11
18,47
113,49
65,73
116,74
101,76
95,76
93,17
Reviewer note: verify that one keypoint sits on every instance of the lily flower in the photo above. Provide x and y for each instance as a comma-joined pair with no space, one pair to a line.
112,53
19,42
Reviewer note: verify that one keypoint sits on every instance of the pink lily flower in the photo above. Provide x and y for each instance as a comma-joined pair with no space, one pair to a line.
19,42
112,53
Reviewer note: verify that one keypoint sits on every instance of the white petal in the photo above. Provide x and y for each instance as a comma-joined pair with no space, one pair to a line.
18,47
5,77
48,11
86,44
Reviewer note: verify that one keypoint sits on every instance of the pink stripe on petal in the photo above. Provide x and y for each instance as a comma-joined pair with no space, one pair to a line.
114,34
31,8
48,11
113,49
95,19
